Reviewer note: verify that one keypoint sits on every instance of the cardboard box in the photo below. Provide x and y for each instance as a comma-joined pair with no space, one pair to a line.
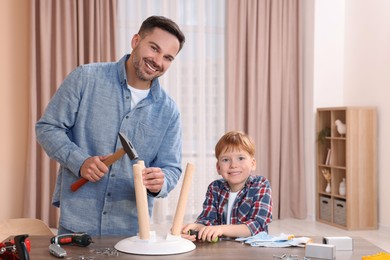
341,243
320,251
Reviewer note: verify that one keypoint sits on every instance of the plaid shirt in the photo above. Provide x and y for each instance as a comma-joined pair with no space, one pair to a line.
252,206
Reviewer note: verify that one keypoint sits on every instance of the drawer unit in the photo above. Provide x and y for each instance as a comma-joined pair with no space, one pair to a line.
325,208
339,214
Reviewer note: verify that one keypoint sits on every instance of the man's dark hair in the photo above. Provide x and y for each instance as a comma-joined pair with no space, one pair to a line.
163,23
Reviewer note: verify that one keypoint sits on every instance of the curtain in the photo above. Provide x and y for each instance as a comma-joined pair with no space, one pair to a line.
195,80
264,93
64,35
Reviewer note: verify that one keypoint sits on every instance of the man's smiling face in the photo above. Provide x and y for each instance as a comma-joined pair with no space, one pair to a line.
153,53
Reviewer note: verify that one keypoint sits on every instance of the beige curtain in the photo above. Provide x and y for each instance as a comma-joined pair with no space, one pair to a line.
264,93
64,34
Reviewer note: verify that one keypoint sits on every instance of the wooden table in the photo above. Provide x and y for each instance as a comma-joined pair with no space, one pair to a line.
204,250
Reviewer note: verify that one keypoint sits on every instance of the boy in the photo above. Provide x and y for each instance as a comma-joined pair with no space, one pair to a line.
239,204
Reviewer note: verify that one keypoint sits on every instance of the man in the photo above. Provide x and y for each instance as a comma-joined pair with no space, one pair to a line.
80,127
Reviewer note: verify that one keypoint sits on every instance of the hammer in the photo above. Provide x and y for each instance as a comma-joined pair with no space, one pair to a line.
127,148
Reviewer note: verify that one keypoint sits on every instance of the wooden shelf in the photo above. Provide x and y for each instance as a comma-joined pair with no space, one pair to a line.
351,156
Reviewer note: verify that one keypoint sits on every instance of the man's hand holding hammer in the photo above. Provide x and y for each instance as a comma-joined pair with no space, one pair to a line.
93,169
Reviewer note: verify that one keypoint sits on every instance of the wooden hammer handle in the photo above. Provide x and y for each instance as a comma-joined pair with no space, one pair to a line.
110,160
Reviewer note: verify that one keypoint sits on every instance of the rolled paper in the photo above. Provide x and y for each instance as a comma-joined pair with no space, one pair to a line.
181,205
142,203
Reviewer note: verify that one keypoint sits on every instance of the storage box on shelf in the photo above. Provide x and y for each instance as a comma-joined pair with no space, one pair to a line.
348,156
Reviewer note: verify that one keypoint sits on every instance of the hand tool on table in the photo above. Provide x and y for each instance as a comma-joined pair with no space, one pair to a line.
127,148
16,249
57,250
79,239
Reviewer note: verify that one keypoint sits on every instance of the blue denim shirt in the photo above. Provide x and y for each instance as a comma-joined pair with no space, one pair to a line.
83,119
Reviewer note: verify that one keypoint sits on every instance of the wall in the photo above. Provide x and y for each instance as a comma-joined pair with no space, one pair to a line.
13,104
323,74
351,59
367,78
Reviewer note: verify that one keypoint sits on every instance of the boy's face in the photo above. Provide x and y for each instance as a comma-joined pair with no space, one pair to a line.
153,54
235,167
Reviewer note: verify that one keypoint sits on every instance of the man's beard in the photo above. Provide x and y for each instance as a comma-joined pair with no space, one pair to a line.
140,74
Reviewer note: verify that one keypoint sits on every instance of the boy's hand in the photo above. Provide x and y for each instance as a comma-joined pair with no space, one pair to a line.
190,231
210,233
200,232
189,236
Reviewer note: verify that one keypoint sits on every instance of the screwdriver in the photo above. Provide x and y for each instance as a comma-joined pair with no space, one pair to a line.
80,239
196,232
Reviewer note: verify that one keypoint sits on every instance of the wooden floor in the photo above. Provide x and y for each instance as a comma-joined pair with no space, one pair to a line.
379,237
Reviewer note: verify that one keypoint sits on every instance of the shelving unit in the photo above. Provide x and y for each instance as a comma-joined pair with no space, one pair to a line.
351,156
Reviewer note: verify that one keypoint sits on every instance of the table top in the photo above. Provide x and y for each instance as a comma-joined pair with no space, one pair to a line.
228,249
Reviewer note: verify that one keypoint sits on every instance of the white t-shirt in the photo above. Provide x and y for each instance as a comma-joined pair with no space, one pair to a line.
232,198
137,95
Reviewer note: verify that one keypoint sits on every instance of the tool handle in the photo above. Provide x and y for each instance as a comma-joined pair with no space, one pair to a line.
113,158
80,239
77,184
110,160
21,247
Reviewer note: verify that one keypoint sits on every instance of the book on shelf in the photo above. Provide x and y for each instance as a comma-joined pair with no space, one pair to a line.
327,160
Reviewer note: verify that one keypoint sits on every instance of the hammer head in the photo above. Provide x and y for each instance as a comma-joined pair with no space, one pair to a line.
128,147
